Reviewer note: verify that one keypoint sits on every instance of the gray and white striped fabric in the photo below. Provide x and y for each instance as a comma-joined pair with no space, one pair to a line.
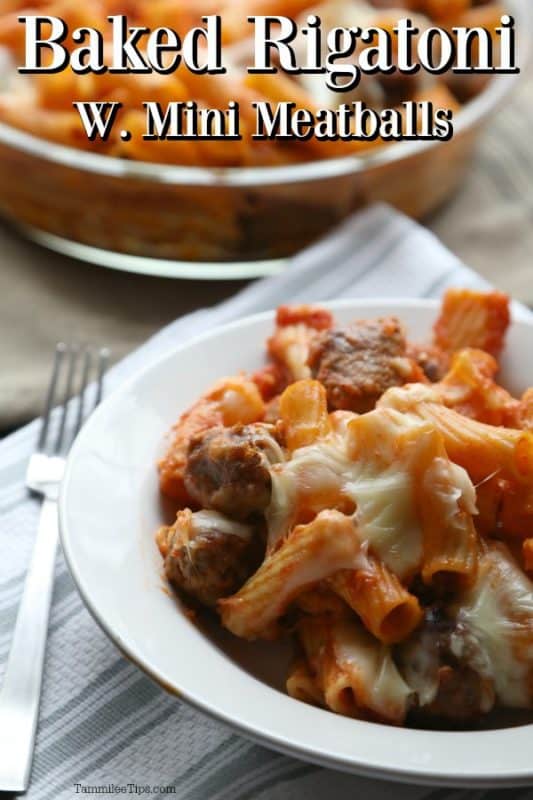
103,723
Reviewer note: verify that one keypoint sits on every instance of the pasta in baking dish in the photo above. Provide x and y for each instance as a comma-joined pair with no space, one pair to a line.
372,498
42,104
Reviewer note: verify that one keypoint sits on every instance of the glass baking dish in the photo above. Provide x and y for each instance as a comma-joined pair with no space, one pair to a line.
207,223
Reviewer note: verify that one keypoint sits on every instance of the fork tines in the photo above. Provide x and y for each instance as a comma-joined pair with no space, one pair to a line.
75,368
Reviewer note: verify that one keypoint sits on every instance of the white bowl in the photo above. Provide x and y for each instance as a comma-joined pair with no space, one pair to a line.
109,510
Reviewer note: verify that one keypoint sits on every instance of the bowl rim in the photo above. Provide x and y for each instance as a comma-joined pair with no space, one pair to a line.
472,113
408,774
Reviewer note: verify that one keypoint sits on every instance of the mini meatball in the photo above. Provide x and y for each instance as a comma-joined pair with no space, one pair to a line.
228,402
228,469
359,362
433,362
207,556
447,669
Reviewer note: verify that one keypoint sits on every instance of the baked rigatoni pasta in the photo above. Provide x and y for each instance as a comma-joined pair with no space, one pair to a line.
498,460
310,554
301,683
355,674
383,524
386,608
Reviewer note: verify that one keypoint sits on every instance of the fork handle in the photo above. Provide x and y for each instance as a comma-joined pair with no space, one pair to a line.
21,689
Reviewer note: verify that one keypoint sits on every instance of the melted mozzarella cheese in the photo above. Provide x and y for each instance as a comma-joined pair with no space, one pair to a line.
206,521
357,651
499,613
310,471
379,478
386,516
311,571
420,662
453,486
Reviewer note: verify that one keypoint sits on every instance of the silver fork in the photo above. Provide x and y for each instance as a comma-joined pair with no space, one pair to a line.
21,689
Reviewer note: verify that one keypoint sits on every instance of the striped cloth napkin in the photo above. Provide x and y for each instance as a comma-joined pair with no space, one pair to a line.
103,723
